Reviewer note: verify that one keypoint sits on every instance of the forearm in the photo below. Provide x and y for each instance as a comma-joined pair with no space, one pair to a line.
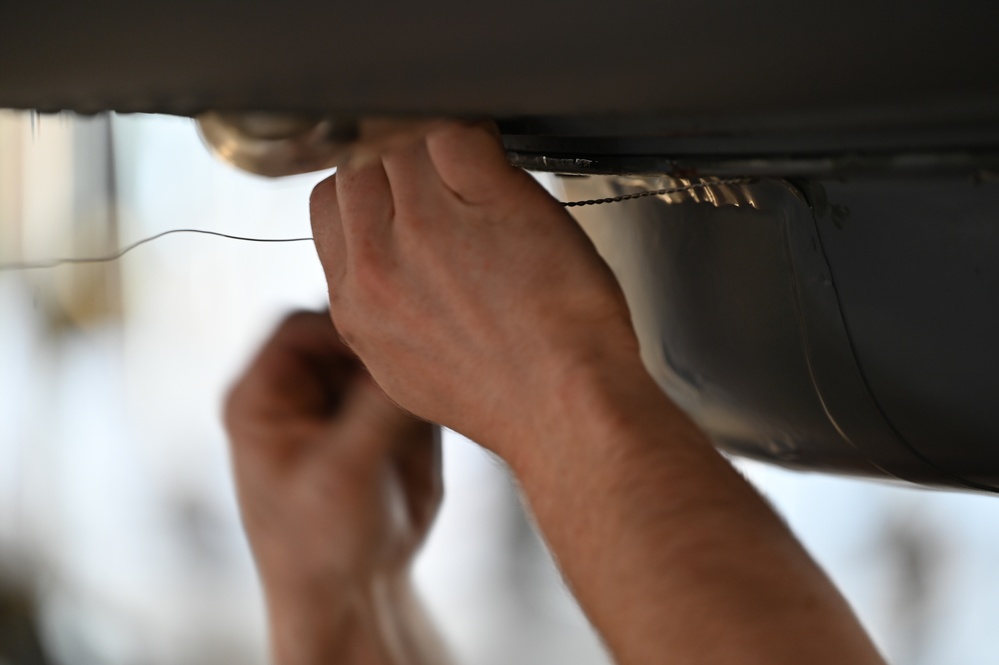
670,552
466,283
381,624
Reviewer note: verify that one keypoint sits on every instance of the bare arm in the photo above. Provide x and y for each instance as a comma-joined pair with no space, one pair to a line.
337,488
475,301
671,553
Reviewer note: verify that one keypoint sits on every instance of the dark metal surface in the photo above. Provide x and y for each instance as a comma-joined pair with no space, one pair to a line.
846,327
717,69
641,157
916,267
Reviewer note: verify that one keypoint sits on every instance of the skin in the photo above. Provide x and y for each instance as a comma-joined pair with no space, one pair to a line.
337,488
475,301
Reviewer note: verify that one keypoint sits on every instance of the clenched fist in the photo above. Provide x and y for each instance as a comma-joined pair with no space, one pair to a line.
337,487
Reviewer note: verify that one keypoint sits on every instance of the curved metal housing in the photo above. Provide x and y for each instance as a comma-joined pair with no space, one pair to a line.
849,327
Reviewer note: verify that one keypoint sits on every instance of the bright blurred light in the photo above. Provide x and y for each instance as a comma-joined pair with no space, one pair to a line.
116,505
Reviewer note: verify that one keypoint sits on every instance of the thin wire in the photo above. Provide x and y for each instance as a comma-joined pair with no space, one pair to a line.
52,263
36,265
656,192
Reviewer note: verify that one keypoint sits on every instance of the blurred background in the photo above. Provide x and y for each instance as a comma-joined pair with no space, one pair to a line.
120,542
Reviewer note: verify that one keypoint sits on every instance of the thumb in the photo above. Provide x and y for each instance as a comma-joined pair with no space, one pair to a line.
472,163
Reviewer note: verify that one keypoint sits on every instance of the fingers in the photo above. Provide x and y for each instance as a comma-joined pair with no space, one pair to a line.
306,390
302,345
327,230
309,332
299,374
366,207
419,462
472,163
371,425
376,435
413,179
350,212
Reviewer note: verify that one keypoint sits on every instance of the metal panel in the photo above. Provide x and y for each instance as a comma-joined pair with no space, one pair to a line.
784,355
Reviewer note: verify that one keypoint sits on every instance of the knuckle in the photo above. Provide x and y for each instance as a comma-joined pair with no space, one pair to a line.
324,194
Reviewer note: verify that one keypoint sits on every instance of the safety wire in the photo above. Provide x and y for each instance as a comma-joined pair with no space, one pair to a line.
52,263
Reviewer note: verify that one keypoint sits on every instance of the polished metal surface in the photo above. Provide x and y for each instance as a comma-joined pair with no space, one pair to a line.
280,144
845,327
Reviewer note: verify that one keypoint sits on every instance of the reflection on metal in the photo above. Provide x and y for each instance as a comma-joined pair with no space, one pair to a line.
704,186
712,191
279,144
837,326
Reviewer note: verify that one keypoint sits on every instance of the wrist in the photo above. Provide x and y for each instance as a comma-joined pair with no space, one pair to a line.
338,622
599,405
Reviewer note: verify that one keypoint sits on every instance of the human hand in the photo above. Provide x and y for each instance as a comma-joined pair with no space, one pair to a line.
476,301
337,485
470,294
